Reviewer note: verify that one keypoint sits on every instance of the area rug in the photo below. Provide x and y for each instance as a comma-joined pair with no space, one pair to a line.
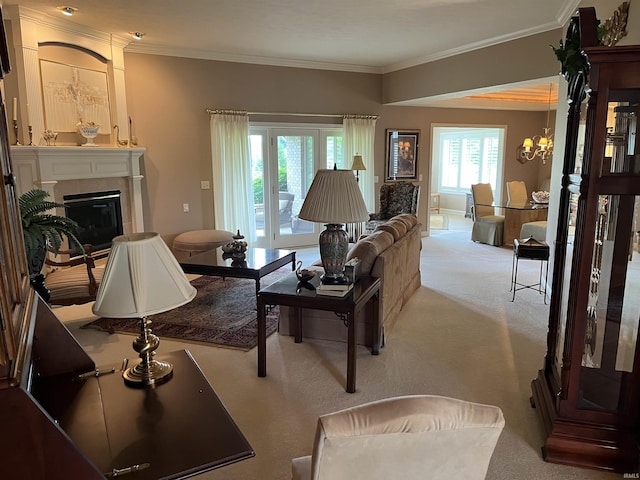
222,313
439,222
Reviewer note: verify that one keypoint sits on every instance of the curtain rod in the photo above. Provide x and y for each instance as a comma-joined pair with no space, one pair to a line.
289,114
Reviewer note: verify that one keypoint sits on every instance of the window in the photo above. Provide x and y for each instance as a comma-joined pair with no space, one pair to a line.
467,155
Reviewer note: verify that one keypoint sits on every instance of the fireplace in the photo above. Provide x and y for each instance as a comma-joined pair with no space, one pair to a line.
68,170
99,217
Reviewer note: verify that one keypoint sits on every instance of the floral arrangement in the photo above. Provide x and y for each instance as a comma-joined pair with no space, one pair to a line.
540,197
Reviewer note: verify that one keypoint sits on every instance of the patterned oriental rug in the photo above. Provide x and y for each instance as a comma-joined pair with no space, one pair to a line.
222,313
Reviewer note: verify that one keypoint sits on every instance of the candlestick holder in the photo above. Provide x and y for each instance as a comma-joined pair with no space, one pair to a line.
30,135
15,130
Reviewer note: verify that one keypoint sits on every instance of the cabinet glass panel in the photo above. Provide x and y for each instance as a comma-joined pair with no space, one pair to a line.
562,323
571,215
621,149
613,308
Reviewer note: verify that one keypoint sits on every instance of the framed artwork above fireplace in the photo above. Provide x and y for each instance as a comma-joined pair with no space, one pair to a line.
74,94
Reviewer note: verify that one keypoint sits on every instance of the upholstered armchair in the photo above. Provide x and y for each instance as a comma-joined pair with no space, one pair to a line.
395,198
411,437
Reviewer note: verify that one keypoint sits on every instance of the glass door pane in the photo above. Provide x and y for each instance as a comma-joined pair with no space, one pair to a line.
258,146
291,176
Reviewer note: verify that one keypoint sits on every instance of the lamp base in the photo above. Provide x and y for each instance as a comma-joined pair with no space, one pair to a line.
148,372
153,373
326,280
334,245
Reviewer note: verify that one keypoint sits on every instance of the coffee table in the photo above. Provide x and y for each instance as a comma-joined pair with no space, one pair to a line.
257,263
287,291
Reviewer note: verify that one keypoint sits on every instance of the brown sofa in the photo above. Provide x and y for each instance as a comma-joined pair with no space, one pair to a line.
391,252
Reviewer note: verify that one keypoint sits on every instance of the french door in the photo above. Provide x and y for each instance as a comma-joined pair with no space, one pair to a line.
284,161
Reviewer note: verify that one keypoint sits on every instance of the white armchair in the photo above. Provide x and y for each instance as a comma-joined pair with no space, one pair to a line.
404,437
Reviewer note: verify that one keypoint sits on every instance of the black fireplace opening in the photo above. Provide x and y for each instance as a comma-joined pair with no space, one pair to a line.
98,215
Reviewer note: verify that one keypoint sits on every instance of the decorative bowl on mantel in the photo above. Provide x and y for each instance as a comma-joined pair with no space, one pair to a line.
89,131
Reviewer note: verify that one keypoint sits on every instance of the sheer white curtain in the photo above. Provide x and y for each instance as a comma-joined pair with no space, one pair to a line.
359,134
231,162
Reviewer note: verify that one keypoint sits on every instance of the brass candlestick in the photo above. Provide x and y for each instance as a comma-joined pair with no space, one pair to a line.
15,130
30,135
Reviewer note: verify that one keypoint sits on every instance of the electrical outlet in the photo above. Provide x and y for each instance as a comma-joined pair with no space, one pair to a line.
185,207
204,185
376,179
420,177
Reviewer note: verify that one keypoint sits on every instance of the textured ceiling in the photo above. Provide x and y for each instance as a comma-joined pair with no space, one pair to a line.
374,36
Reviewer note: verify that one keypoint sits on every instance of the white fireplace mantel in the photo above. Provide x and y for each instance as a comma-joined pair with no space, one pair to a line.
43,167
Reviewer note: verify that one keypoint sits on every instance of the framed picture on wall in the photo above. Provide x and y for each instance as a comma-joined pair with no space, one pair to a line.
402,154
73,94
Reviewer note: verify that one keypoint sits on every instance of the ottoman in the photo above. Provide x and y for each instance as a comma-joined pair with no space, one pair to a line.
198,241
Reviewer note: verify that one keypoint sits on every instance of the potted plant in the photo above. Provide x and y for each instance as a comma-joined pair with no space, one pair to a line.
41,229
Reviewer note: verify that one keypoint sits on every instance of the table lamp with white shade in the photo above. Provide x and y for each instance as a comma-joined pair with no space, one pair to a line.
142,277
334,198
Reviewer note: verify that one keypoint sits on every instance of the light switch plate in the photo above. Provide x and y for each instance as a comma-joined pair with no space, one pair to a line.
185,207
204,185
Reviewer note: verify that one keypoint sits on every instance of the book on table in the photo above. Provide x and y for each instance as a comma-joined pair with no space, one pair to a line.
334,290
341,287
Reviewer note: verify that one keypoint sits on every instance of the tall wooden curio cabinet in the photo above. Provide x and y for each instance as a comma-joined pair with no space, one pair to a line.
588,392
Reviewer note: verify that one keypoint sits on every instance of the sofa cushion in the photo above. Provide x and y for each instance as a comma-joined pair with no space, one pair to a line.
408,218
368,248
397,228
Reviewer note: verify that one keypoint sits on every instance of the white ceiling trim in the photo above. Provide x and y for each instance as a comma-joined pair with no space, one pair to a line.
223,57
471,47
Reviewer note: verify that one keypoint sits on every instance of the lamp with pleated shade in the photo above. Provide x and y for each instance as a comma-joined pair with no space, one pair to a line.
334,199
142,277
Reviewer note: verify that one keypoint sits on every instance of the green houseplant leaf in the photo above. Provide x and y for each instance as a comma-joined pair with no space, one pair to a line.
41,228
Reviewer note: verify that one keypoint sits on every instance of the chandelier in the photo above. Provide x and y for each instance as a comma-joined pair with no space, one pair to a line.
543,143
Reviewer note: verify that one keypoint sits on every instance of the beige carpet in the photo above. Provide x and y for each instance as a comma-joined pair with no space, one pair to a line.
439,221
459,336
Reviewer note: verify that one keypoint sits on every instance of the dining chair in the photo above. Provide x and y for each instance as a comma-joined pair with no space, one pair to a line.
410,437
487,226
517,192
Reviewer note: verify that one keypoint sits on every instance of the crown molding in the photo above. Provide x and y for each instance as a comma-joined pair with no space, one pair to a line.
20,12
470,47
223,57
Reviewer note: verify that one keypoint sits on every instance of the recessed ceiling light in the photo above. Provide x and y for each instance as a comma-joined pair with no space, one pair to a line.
137,35
67,10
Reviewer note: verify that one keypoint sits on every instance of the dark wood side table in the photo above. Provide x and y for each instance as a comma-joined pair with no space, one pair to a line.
287,292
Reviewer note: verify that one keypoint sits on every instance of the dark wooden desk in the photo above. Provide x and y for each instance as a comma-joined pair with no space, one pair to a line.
286,292
257,263
179,428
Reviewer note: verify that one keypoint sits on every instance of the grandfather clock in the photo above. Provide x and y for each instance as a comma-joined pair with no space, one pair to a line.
588,392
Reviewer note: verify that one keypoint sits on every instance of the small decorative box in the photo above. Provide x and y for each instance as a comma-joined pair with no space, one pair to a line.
352,270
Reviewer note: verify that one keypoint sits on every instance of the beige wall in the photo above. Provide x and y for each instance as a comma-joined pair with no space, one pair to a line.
520,60
167,98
